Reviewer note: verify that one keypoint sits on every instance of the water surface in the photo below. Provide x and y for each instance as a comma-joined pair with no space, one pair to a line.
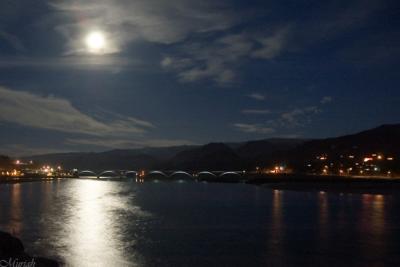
110,223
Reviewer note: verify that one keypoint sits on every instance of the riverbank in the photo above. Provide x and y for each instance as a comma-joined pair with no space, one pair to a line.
26,180
333,184
294,182
12,253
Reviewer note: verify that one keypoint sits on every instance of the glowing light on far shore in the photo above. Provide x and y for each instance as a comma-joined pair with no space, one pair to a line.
95,42
368,159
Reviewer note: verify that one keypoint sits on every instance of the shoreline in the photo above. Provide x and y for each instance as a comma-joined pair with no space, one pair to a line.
292,182
329,184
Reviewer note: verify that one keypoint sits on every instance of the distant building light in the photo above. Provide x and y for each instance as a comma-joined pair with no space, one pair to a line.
368,159
390,158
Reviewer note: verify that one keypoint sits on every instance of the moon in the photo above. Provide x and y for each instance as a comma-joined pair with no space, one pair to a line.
95,42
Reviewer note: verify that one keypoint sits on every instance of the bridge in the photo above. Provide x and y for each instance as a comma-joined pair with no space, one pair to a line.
160,174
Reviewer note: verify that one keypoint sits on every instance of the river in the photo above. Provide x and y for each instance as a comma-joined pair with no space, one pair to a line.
119,223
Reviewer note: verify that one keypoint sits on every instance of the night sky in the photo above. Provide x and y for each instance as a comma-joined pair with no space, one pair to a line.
93,75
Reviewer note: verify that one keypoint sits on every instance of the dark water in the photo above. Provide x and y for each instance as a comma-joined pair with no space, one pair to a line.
107,223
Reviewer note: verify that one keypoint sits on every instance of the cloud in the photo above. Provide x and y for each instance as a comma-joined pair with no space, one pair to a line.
127,143
211,53
27,109
254,128
26,150
326,100
298,116
218,59
256,111
199,61
104,62
156,21
271,46
257,96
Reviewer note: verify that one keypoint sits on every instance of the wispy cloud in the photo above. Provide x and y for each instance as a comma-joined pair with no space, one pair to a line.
294,118
326,100
218,60
59,114
256,111
257,96
254,128
198,61
125,21
17,150
76,62
298,116
271,46
108,143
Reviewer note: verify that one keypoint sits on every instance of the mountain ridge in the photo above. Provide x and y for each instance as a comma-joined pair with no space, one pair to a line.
238,155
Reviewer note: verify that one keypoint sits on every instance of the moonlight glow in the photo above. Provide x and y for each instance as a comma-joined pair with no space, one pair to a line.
95,42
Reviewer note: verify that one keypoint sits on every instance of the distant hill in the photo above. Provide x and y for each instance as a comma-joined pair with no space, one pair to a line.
384,139
5,162
227,156
255,153
214,156
147,158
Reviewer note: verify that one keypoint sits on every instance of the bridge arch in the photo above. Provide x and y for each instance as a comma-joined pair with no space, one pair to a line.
184,174
108,173
229,174
206,173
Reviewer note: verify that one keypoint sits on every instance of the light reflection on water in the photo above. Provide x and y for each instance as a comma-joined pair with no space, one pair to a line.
15,210
276,236
93,234
108,223
77,221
